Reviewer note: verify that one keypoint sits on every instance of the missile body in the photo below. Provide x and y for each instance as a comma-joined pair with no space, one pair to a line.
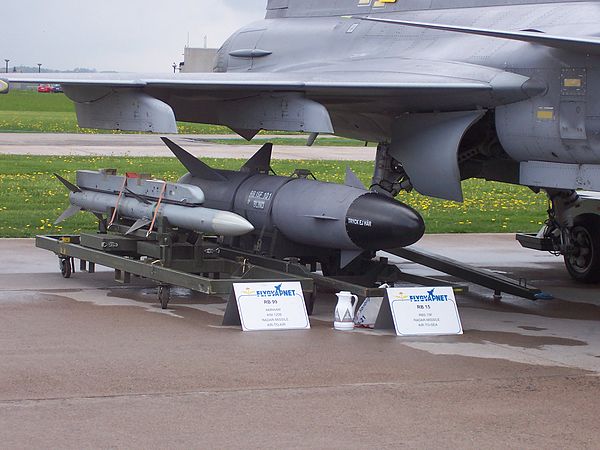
308,212
250,204
138,199
315,213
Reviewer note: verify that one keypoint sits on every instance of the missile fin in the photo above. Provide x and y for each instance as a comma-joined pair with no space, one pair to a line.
318,217
70,186
261,161
352,180
347,256
70,212
194,166
140,223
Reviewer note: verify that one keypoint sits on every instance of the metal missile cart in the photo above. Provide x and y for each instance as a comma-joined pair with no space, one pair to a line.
204,266
167,258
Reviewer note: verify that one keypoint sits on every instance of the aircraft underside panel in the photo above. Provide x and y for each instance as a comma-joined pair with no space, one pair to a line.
125,109
561,126
427,146
560,176
280,112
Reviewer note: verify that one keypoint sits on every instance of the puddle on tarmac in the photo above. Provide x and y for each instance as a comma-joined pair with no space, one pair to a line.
557,308
533,328
517,340
179,296
17,298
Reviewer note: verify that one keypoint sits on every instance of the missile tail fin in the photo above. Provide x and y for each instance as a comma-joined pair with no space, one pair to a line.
140,223
261,161
347,256
194,166
352,180
70,186
70,212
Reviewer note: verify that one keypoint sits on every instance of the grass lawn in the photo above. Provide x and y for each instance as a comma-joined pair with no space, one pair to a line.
32,198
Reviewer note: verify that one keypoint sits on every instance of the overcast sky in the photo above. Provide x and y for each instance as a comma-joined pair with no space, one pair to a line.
121,35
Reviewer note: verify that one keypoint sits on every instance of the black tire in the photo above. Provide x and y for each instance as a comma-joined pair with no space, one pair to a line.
583,263
65,267
309,300
164,295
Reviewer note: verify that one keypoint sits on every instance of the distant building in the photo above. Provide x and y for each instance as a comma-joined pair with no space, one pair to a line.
198,60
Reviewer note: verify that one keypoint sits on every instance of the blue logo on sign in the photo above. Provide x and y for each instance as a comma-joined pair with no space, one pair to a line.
430,297
277,292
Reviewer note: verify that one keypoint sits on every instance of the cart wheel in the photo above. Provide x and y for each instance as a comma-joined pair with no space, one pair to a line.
309,299
65,267
164,295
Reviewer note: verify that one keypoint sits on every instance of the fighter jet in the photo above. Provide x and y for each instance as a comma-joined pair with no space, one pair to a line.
505,90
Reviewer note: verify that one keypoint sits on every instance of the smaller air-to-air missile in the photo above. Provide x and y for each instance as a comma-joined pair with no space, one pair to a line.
137,198
310,213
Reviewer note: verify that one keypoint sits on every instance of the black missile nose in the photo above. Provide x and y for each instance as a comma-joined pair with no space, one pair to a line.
377,222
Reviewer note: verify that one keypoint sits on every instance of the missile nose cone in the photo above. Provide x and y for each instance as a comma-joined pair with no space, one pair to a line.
229,224
377,222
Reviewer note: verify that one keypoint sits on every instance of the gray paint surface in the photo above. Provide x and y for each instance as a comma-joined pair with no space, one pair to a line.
531,66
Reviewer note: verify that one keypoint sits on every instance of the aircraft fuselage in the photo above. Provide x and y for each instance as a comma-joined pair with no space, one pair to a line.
562,124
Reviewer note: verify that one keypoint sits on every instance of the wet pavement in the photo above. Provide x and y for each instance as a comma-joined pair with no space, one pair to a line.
87,362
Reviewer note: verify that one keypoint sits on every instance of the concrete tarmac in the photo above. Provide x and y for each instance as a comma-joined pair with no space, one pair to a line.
88,363
151,145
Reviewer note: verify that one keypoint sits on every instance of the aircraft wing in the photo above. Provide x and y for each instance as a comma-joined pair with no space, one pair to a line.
301,101
589,45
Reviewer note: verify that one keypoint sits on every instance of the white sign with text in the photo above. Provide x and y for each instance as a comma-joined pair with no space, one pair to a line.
424,311
271,306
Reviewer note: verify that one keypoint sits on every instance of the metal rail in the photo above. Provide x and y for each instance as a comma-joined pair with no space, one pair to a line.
498,283
153,270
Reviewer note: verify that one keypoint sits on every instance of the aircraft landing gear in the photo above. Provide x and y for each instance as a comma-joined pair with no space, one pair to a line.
389,177
573,231
583,256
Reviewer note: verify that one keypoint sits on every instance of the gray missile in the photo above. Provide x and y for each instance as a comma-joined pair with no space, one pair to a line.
346,217
142,200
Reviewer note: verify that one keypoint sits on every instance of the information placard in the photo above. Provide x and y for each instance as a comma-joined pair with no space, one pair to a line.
271,306
424,311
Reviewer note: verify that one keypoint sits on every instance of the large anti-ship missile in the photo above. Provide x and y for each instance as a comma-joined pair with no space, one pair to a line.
137,198
308,212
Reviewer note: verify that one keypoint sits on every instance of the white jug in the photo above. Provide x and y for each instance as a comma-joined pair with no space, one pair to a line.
344,311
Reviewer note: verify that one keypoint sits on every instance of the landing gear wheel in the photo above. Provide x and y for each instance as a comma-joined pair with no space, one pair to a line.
164,295
583,263
65,267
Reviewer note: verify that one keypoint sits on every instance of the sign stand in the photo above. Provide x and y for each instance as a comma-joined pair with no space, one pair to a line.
385,319
267,306
232,313
420,312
